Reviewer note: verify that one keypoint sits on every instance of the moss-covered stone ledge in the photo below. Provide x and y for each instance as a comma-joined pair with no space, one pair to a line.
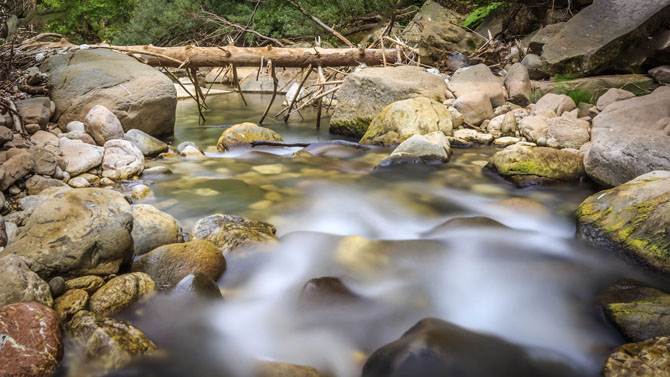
632,219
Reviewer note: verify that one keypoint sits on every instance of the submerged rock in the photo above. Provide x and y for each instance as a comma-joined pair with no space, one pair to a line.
326,291
100,345
637,311
244,134
274,369
199,285
632,219
526,166
403,119
169,264
30,340
77,232
366,93
465,223
230,233
121,292
650,358
420,149
435,348
19,284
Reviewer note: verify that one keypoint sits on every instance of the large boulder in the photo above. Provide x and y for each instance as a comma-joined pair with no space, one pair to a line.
122,160
435,348
140,96
80,157
478,78
650,358
526,166
102,345
102,125
424,149
244,134
597,38
637,311
437,31
77,232
230,232
153,228
169,264
30,340
632,219
403,119
19,284
367,92
630,138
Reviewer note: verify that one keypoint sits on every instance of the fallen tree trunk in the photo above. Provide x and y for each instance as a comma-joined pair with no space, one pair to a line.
195,57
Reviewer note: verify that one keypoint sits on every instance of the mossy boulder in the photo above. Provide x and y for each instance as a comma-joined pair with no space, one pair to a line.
244,134
650,358
632,219
637,311
527,166
367,92
100,345
403,119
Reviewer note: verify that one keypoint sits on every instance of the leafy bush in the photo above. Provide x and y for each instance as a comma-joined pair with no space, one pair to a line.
85,20
479,14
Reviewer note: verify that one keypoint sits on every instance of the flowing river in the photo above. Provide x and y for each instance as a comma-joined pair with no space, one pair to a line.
531,284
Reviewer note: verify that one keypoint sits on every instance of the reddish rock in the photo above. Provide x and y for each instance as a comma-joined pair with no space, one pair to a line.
30,340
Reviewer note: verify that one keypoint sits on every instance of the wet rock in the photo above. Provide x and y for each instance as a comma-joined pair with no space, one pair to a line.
102,125
517,83
77,232
526,166
366,93
140,192
558,103
153,228
632,219
169,264
19,284
273,369
567,132
120,293
326,291
630,138
15,168
35,110
149,145
140,96
437,31
478,78
613,26
611,96
80,157
90,283
661,74
404,119
650,358
122,160
230,233
475,107
244,134
106,344
71,303
420,149
637,311
434,348
31,340
200,285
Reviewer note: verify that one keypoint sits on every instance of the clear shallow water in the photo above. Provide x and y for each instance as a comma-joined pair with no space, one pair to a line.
532,284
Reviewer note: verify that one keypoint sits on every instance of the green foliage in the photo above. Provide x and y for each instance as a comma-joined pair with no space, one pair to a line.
85,20
479,14
581,95
564,77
